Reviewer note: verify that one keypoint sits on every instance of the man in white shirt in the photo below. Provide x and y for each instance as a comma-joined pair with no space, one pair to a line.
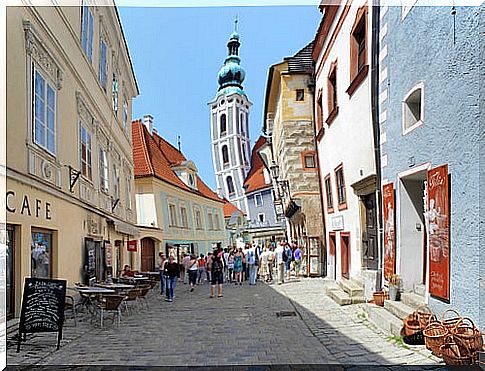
280,263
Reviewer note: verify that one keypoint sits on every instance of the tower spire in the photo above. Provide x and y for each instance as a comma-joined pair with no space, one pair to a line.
235,22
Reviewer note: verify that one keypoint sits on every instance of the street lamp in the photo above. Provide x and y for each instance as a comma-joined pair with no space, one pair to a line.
275,170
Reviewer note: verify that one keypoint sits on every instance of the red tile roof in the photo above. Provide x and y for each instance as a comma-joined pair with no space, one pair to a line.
255,178
154,156
230,208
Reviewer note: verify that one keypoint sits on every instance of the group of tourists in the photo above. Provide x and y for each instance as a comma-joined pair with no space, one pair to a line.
233,265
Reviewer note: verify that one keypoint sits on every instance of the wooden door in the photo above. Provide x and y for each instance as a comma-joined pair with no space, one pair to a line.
345,254
147,255
369,240
332,242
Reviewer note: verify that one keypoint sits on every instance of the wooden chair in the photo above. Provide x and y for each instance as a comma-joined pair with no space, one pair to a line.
110,303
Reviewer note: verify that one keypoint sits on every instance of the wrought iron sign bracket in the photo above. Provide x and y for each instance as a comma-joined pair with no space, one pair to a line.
73,178
114,203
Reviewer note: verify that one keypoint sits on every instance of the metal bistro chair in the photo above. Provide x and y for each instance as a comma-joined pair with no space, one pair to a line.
144,290
70,304
132,297
110,303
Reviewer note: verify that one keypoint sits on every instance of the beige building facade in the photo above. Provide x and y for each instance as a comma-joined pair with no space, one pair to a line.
289,124
70,178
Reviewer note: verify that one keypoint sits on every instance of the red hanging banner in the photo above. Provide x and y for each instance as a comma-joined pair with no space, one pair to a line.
388,201
132,245
438,215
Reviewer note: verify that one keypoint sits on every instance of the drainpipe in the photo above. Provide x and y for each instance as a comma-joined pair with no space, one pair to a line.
377,134
311,88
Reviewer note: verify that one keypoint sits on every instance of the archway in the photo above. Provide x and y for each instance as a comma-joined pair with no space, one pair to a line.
147,255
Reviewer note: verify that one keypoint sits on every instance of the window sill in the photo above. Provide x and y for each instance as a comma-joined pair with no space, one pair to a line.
331,116
320,134
412,127
342,206
330,211
357,80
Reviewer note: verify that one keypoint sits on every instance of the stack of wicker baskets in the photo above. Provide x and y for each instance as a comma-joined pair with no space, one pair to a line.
456,339
414,324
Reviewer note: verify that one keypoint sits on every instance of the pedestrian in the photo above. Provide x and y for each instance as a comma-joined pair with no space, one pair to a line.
202,270
238,266
252,267
230,266
185,262
280,262
171,271
161,263
245,262
208,267
217,275
297,263
225,255
263,265
289,256
271,259
193,270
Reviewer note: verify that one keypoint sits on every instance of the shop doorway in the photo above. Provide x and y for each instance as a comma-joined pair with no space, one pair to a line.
332,243
147,255
345,254
9,265
412,232
369,239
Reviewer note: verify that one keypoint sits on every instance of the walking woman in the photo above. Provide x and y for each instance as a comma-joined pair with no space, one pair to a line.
230,266
193,269
201,268
217,275
161,263
238,266
171,273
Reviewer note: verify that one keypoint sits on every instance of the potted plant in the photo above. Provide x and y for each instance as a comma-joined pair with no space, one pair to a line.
394,286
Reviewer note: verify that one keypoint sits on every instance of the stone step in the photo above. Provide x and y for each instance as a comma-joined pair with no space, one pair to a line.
412,299
339,296
331,285
351,288
398,308
383,319
358,299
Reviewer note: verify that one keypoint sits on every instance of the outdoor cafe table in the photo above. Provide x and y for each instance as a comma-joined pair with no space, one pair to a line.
115,286
89,291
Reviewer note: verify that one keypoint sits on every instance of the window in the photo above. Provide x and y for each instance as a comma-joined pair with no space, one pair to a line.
116,182
258,199
225,156
183,215
86,161
328,191
319,120
172,215
191,181
309,161
413,109
300,95
87,31
41,254
332,91
103,63
125,115
211,224
245,157
223,124
103,170
44,102
198,220
230,186
243,124
341,197
114,93
128,191
216,222
261,217
358,50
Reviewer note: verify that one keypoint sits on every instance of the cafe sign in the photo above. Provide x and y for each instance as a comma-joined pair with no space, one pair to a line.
131,245
27,205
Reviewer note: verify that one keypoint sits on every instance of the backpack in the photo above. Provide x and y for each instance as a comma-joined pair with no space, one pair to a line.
285,256
216,266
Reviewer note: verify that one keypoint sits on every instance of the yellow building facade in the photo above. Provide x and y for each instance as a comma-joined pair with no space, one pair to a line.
70,175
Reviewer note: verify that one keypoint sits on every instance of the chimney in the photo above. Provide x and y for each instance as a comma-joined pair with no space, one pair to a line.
148,122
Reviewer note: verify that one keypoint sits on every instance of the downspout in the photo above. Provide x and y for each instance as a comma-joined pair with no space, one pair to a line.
311,88
377,135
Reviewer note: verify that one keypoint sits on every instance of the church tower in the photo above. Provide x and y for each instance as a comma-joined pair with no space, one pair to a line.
230,128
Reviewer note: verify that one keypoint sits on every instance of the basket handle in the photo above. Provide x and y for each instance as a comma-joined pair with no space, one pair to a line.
425,306
461,323
433,319
449,310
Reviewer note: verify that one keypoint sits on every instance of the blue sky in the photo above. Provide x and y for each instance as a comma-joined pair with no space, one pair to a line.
177,52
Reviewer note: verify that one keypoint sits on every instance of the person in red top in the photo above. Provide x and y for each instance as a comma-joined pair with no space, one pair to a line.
202,268
127,272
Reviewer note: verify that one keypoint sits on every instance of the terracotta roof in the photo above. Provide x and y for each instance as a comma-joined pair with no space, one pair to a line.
302,61
255,178
154,156
230,208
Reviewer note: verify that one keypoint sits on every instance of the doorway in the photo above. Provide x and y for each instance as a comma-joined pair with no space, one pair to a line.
332,243
412,231
9,257
147,255
369,239
345,254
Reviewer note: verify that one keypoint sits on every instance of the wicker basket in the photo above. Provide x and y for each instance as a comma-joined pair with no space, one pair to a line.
415,339
450,323
424,315
434,336
379,297
411,324
456,355
469,335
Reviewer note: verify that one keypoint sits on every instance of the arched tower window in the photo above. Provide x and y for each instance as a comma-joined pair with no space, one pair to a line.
230,186
223,124
225,156
243,124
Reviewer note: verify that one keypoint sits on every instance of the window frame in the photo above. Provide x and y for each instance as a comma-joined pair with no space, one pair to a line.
221,121
229,177
407,130
116,181
88,47
217,225
45,126
358,74
103,67
264,218
329,193
184,217
225,164
332,93
304,156
115,91
125,114
198,219
51,235
256,198
172,215
340,205
89,152
319,129
211,221
302,96
104,170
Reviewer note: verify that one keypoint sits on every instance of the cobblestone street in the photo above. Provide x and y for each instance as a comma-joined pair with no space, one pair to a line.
239,329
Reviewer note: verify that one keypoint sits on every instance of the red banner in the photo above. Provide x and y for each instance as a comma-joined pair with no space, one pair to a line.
438,215
388,201
132,245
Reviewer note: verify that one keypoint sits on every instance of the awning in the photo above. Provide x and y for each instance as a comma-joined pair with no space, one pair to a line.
233,220
126,228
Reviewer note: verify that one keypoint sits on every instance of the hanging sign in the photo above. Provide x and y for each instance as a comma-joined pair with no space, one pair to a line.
437,216
109,253
388,200
132,245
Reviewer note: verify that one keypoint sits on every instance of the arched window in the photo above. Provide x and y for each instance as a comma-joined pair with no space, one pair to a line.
230,185
225,155
223,124
243,124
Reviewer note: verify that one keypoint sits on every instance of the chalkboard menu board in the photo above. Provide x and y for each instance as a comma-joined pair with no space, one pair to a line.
42,307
